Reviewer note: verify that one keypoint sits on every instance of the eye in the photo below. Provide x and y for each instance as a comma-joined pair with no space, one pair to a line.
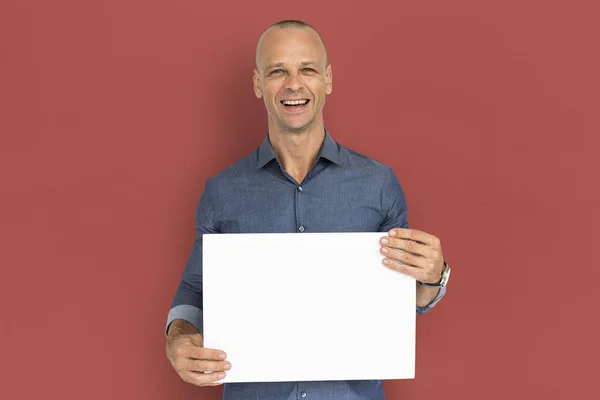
307,69
276,71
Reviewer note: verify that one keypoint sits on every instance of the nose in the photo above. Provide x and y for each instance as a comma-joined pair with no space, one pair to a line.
294,82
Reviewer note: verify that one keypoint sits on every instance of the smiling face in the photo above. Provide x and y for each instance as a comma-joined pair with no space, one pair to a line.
293,78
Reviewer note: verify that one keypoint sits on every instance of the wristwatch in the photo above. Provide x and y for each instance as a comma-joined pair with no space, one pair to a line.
445,276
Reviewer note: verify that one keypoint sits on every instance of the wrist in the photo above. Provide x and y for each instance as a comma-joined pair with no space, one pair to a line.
445,276
181,327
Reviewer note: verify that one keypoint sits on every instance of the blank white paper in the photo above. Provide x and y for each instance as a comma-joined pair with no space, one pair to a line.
307,307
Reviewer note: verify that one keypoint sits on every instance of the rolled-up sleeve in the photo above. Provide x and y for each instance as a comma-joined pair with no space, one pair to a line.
423,310
394,204
187,303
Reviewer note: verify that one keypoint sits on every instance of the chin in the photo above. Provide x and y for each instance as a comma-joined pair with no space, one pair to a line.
298,126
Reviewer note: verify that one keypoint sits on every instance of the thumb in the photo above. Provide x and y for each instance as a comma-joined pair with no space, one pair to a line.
197,339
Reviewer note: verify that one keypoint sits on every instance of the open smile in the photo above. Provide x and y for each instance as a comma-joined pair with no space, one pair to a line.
295,105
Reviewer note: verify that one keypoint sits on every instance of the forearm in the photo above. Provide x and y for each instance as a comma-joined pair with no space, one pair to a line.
425,294
187,303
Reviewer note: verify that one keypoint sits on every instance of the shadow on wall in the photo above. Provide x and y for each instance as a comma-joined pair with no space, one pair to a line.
231,124
239,114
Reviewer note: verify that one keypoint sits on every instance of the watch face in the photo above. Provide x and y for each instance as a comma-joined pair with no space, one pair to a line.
445,276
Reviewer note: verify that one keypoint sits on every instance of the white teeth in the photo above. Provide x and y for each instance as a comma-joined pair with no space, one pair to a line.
294,102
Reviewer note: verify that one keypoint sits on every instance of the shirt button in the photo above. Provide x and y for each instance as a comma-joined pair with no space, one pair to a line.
299,188
301,229
303,394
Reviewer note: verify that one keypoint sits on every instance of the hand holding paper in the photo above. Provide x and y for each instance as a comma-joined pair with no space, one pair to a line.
415,253
194,363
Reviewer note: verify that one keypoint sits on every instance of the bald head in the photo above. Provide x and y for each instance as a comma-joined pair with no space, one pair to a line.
286,24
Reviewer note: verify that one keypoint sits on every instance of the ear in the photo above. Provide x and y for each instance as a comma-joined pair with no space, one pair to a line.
257,89
328,80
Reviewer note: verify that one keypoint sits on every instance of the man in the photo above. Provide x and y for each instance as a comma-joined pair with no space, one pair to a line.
298,180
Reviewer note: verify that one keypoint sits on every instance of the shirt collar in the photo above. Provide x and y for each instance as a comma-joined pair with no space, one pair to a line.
329,150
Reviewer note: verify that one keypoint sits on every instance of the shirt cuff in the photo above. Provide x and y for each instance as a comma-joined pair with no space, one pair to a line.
191,314
441,293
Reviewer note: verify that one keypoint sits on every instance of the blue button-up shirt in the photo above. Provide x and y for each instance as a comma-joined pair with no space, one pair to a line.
343,192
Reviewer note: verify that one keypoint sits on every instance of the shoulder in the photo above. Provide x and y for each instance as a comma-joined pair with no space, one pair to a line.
240,172
353,157
361,163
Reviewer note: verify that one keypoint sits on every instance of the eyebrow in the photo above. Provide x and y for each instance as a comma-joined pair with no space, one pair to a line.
279,65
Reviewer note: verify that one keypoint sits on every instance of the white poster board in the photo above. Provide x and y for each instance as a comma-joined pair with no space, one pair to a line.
307,307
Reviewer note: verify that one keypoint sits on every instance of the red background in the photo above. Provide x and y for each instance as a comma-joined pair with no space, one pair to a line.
115,112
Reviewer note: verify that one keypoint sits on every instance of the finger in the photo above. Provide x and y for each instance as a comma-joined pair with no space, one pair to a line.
406,245
414,234
415,272
404,257
207,366
202,379
202,353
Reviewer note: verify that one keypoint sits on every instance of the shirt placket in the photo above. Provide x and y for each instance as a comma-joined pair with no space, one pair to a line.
299,223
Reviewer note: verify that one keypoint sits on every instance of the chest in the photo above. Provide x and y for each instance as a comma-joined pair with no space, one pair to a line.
334,206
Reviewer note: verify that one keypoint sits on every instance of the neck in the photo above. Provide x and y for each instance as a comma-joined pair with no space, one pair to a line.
297,151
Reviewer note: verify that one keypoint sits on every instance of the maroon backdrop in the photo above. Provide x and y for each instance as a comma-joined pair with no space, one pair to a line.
115,112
